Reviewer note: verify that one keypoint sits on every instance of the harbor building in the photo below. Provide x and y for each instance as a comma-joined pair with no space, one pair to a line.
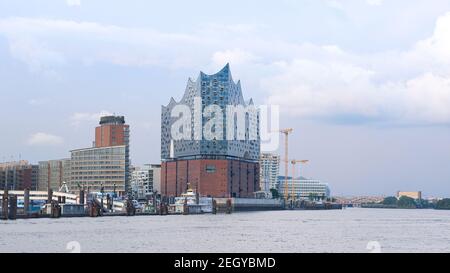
53,173
146,180
219,152
18,175
417,195
107,163
269,171
304,188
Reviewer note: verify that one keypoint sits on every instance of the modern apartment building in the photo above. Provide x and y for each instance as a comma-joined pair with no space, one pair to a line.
18,175
219,153
146,180
53,173
269,170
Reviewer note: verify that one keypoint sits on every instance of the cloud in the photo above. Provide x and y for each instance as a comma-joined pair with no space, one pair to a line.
37,101
435,49
409,87
73,3
306,88
44,139
45,43
332,90
374,2
80,117
307,80
234,56
335,4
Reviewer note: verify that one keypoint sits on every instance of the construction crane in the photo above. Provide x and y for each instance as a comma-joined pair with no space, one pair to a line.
286,133
294,162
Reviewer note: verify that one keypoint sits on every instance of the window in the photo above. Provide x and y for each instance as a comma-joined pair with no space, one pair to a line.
210,168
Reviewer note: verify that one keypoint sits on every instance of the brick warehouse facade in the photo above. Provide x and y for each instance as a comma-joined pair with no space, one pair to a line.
222,167
210,177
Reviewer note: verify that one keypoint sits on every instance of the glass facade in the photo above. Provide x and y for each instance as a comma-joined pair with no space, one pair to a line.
96,167
53,173
218,89
304,188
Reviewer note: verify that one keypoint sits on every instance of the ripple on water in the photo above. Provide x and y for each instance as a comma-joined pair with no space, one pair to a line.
273,231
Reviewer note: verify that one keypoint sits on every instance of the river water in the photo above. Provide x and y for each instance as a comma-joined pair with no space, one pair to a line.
348,230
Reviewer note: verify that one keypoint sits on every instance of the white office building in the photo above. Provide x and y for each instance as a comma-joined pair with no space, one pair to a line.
304,188
146,180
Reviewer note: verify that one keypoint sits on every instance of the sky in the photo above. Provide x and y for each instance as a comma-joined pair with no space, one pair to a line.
364,83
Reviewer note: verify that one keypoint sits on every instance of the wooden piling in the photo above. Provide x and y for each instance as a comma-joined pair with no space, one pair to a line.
26,202
131,210
108,203
55,210
229,208
5,205
49,196
185,207
214,206
81,197
12,215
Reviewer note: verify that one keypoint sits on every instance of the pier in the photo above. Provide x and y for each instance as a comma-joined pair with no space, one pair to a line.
41,204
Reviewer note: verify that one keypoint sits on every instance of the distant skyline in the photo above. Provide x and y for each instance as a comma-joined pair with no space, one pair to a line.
364,83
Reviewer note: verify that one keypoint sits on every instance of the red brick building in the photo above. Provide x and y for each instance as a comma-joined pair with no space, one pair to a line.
112,132
210,177
18,175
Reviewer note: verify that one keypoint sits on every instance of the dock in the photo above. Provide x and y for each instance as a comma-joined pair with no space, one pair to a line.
59,205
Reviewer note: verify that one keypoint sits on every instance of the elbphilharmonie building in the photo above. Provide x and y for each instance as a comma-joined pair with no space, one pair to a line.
210,139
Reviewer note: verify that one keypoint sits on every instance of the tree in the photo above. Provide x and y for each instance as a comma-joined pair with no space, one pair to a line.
406,202
443,204
424,204
390,200
275,194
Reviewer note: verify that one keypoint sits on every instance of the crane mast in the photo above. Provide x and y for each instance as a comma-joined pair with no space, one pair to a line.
294,162
286,133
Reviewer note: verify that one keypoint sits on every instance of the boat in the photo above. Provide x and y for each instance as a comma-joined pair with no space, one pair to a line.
191,203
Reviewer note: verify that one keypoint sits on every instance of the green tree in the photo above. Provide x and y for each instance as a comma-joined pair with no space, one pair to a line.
406,202
275,194
443,204
390,200
424,204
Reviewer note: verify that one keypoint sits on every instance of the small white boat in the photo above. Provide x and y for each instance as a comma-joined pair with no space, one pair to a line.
191,201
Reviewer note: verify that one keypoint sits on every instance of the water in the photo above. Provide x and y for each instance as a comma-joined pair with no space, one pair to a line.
349,230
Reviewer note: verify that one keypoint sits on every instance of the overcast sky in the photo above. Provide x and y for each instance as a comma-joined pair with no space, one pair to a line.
364,83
